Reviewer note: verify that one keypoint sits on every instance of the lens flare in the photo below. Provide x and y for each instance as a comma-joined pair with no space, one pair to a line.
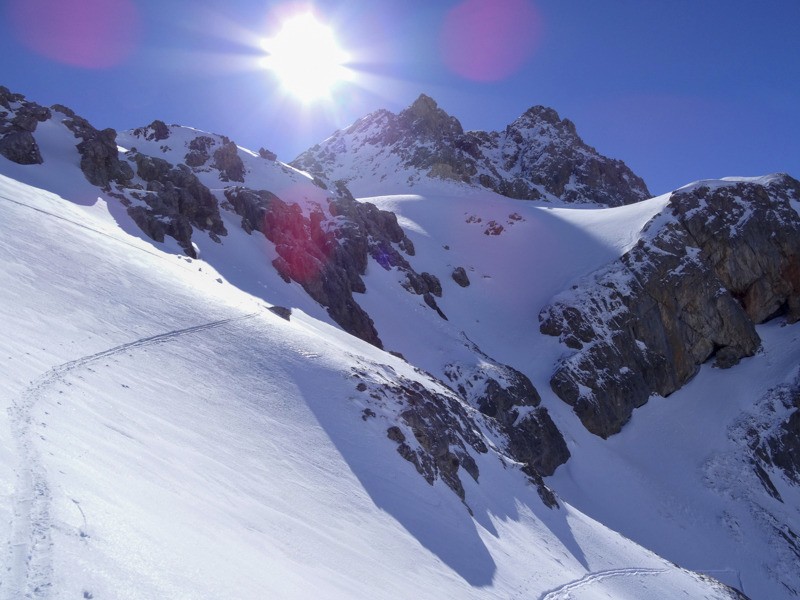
92,34
489,40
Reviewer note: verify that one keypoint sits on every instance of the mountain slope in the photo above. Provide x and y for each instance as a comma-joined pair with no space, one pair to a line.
538,157
449,445
171,437
678,476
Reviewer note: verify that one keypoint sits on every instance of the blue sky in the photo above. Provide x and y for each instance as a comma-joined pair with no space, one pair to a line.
679,90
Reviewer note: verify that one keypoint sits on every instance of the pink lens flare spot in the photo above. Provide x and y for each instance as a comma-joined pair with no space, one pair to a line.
489,40
92,34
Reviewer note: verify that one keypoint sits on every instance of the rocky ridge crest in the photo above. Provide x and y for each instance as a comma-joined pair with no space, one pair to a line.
538,156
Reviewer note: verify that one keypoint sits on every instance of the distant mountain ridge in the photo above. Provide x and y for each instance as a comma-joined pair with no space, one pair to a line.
537,157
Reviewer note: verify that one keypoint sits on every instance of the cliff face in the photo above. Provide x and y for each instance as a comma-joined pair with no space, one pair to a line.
538,156
714,263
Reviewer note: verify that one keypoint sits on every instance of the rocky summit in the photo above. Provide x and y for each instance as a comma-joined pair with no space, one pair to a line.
537,157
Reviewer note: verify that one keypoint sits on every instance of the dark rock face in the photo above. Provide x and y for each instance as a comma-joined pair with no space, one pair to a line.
538,156
20,147
690,290
459,275
100,161
328,261
328,269
266,154
443,432
156,131
435,432
509,399
226,159
175,202
749,235
776,443
18,120
198,154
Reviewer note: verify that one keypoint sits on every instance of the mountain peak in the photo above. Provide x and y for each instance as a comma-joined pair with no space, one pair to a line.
425,102
539,114
537,157
427,120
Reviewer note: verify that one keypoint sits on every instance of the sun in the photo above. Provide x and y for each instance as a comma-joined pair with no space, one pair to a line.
306,58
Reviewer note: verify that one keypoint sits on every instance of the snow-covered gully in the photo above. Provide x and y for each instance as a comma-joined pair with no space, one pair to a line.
28,555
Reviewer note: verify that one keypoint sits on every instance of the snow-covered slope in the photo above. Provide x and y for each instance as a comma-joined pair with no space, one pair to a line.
184,427
165,435
682,476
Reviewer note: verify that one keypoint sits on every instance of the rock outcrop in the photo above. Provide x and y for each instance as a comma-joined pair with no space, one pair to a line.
441,432
760,470
434,431
172,202
538,156
327,259
774,439
226,159
18,120
509,399
540,152
720,258
100,160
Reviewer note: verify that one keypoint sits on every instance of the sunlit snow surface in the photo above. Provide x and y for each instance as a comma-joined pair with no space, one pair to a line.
164,435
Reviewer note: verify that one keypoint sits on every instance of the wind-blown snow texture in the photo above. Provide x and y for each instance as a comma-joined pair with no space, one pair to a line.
168,434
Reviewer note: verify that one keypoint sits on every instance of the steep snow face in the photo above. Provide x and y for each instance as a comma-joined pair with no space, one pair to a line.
165,435
539,156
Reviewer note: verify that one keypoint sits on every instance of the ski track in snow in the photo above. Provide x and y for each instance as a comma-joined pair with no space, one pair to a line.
562,592
28,556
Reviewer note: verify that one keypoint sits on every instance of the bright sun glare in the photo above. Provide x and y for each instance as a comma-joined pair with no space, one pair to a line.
306,58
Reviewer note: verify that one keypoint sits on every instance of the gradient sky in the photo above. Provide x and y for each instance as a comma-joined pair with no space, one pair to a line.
680,89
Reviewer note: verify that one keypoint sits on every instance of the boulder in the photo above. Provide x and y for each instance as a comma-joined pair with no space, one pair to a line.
459,275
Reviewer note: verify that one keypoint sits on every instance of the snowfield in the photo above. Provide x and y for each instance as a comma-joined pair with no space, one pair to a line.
166,435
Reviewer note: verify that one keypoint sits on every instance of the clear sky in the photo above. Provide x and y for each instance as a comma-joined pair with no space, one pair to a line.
678,89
